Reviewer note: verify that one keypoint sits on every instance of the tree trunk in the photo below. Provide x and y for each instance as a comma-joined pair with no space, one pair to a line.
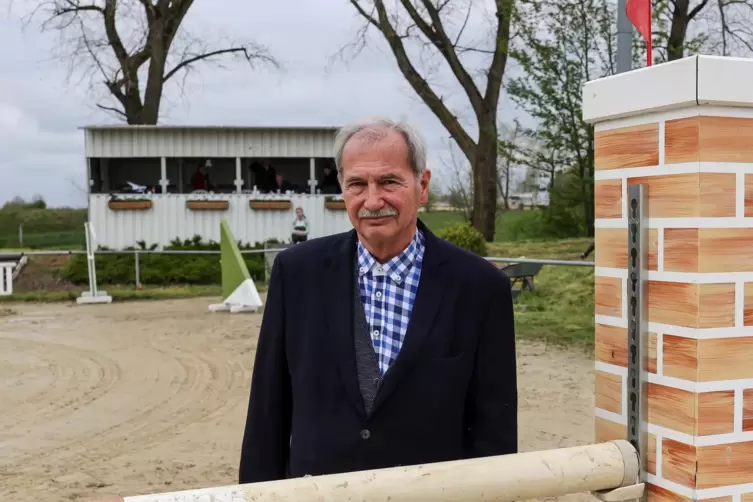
484,166
155,78
678,30
588,201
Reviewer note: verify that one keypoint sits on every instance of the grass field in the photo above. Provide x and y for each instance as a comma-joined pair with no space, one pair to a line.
561,307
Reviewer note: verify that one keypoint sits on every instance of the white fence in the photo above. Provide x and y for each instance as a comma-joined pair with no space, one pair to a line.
170,218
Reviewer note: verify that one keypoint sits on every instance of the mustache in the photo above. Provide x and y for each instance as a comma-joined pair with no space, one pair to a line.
379,213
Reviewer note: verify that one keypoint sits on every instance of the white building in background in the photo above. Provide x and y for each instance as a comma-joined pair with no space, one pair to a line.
140,185
542,194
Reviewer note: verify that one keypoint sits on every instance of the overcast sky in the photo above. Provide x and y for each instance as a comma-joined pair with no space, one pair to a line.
41,148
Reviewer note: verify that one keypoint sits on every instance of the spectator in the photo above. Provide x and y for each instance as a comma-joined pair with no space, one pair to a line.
283,185
200,179
264,177
329,183
300,227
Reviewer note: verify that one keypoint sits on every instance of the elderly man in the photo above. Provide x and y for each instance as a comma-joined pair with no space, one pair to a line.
385,345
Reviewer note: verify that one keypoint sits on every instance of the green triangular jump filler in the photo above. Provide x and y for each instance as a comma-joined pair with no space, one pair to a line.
234,270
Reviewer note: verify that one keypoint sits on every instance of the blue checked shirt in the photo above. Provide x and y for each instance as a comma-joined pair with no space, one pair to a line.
388,291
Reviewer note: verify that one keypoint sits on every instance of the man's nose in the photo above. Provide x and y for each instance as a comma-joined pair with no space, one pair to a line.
374,199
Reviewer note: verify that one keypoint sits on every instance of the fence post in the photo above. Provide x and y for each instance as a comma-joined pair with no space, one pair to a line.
6,278
92,296
138,268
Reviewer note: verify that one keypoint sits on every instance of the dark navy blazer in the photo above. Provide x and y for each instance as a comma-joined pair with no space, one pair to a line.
451,393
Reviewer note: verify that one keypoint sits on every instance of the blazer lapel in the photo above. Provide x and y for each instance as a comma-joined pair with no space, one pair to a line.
340,315
428,301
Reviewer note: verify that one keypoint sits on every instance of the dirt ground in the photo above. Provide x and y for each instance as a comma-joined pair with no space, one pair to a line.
135,398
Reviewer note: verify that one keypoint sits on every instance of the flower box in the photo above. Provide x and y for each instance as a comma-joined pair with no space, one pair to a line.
270,204
130,205
216,205
336,205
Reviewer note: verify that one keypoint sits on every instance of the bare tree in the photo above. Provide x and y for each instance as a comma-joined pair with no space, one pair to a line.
460,186
119,42
723,27
439,26
508,159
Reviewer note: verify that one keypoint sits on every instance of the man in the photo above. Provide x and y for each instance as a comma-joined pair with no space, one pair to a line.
385,345
282,185
329,183
264,177
300,227
200,178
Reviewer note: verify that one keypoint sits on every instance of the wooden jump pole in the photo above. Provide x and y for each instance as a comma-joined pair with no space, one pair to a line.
550,473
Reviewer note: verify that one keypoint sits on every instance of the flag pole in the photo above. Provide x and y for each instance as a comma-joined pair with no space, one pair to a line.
624,39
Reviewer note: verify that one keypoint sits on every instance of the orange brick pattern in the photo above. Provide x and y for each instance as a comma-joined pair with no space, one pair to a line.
699,305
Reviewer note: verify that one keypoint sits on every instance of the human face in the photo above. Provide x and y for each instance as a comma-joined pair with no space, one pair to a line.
382,193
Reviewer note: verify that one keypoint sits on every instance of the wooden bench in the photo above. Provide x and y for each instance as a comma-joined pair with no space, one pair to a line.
521,276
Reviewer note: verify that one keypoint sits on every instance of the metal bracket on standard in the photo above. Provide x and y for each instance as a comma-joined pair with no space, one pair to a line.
637,305
637,344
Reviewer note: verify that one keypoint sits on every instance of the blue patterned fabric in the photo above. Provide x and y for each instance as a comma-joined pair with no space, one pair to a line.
388,291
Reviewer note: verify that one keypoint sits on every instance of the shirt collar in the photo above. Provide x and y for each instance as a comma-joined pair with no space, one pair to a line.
396,268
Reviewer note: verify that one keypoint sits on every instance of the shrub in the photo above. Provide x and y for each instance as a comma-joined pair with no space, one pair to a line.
465,236
164,269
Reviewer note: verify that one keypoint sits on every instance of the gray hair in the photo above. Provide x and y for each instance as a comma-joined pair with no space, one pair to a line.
374,129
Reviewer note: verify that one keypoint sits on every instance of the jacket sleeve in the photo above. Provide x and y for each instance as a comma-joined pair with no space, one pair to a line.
492,403
266,439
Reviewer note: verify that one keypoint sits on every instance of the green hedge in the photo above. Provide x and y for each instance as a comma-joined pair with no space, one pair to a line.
465,236
164,269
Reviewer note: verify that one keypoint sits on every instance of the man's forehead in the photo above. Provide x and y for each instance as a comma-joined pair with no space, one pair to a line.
375,172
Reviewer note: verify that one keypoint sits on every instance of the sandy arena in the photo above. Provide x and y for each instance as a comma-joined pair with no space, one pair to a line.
135,398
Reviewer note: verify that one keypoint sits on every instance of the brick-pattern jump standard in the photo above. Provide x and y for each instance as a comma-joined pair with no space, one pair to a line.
697,161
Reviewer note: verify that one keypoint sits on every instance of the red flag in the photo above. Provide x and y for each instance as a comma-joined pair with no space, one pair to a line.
639,13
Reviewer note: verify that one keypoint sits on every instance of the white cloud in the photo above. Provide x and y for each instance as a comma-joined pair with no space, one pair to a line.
41,148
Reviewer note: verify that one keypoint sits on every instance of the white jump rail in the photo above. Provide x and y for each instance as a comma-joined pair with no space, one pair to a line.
6,278
609,470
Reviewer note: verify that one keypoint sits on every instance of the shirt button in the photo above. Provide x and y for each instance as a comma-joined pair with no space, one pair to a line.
364,270
365,434
378,294
379,270
397,277
375,333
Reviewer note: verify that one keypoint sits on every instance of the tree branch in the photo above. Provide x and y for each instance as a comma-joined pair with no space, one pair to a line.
120,113
499,60
439,38
698,8
247,54
422,88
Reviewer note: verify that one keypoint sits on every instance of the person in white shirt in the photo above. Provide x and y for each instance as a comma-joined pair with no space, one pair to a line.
300,227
